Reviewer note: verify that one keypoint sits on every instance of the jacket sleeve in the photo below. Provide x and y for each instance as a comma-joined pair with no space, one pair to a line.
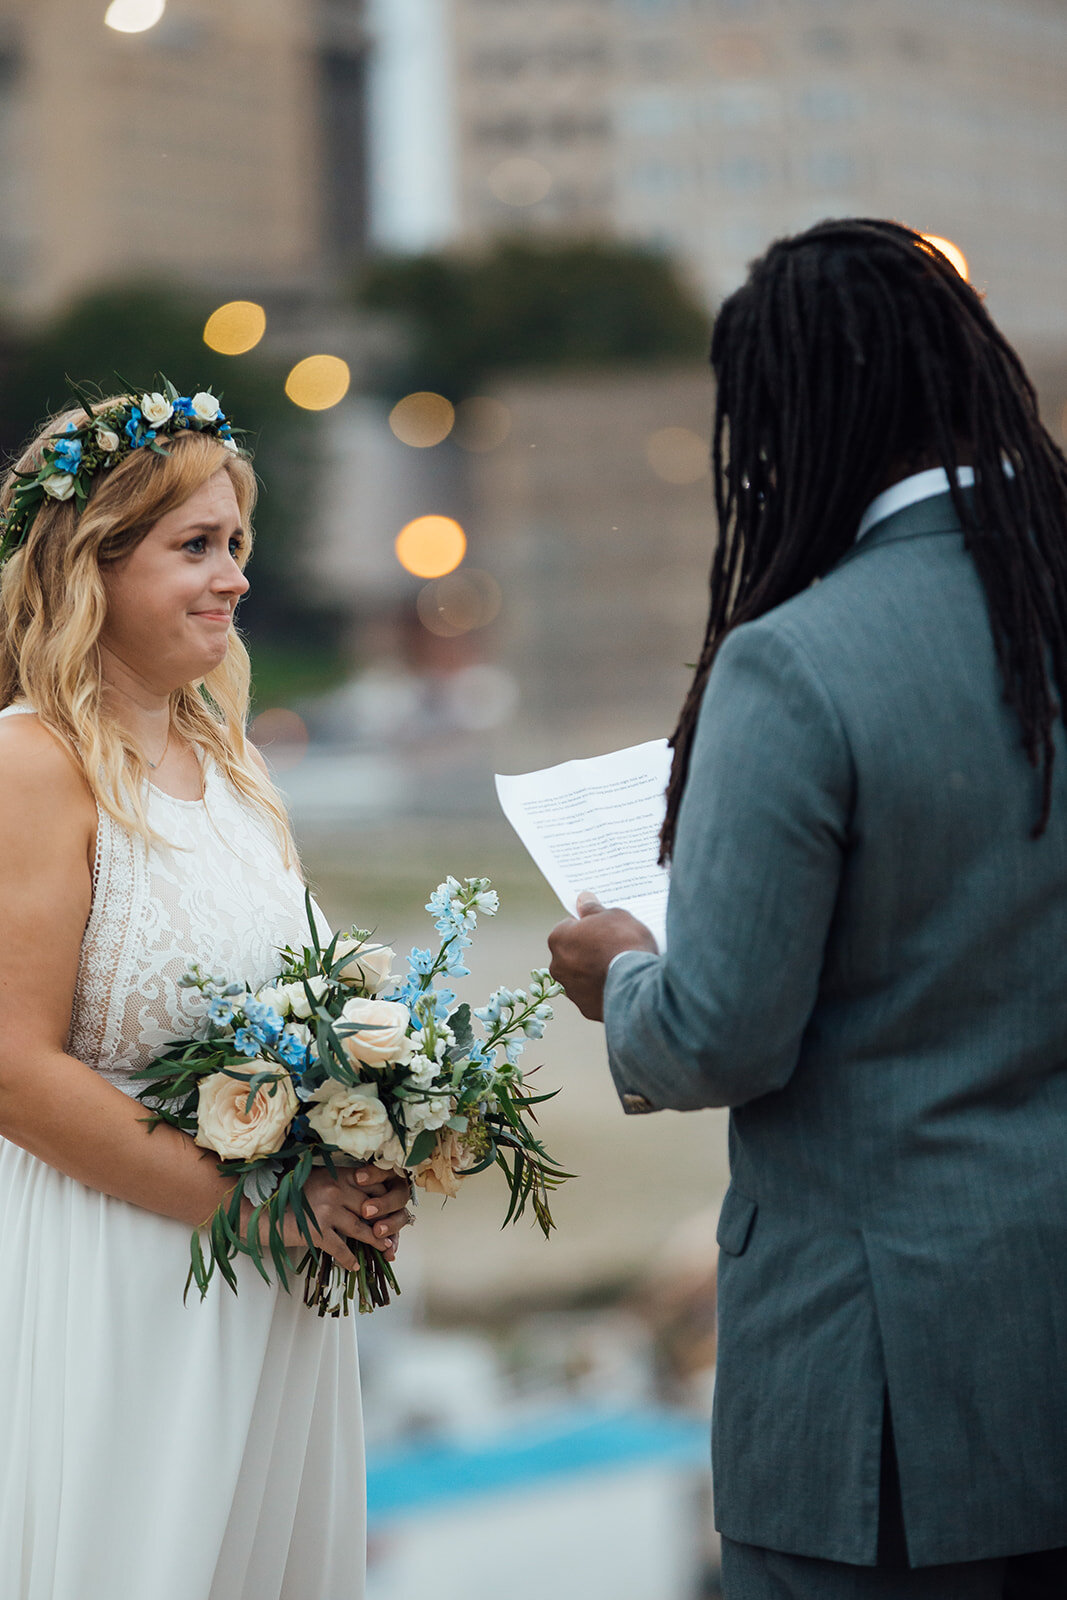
761,837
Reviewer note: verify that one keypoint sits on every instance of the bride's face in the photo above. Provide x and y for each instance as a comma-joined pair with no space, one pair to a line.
170,601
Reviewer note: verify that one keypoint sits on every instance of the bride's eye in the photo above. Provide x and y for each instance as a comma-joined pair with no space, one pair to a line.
197,545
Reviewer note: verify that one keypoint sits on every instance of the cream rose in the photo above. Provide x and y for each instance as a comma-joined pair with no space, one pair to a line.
237,1134
390,1154
107,440
444,1171
351,1118
156,409
60,485
381,1037
369,965
276,996
205,407
297,998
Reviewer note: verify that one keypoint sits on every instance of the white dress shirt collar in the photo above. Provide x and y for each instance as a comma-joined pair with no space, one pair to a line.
909,491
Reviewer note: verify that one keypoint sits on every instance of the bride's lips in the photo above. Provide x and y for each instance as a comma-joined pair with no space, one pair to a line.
214,616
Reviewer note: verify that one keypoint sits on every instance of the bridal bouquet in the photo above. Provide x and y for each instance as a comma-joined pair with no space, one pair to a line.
338,1062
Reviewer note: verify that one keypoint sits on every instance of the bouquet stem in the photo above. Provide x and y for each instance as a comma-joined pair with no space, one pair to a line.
330,1290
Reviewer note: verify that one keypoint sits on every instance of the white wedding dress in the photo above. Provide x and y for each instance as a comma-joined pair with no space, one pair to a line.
150,1450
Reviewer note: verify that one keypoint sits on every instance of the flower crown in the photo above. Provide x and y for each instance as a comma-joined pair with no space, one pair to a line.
71,460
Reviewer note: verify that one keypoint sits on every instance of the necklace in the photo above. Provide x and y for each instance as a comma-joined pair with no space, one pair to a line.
166,747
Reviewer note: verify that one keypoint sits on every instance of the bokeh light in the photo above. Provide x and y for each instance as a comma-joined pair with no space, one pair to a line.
952,252
459,603
237,326
318,382
678,455
520,181
282,736
431,546
134,16
481,423
422,419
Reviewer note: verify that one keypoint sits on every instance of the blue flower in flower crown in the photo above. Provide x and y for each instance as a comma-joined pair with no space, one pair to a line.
135,430
183,406
67,454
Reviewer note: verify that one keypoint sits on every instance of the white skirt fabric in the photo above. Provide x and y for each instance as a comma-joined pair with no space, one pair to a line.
155,1451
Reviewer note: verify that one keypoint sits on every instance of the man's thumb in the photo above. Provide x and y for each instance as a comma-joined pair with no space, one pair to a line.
587,903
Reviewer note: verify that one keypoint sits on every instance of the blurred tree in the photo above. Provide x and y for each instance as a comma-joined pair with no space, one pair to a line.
125,334
527,304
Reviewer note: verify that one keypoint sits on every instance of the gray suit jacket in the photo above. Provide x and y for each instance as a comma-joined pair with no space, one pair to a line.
867,961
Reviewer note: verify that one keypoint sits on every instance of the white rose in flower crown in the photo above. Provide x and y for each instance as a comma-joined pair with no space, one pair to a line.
297,995
60,485
369,965
205,406
382,1039
156,409
230,445
352,1118
107,439
237,1134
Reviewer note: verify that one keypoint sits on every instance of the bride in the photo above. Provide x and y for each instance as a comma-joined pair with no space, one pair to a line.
211,1450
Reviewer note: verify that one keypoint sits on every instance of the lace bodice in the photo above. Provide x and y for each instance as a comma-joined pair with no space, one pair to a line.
218,893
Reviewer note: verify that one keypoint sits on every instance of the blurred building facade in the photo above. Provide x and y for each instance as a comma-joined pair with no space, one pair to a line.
707,127
223,146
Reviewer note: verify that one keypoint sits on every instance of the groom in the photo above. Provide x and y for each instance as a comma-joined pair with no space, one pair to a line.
867,936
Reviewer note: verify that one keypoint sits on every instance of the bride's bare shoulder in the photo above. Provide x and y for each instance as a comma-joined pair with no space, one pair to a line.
40,781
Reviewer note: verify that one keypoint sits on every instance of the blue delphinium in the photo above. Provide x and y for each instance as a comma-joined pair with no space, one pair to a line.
265,1021
135,430
293,1051
246,1042
67,454
220,1012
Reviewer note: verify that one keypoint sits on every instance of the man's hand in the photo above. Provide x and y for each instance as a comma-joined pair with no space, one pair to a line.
583,947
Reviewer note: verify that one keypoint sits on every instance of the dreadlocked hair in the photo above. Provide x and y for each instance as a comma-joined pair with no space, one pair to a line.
853,349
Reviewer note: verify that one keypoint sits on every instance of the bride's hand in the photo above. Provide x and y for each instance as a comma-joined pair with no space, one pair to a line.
338,1204
385,1206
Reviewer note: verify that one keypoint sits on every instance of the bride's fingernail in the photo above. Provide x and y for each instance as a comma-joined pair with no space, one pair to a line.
370,1211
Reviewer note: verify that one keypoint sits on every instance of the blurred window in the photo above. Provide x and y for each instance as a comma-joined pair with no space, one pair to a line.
745,173
657,177
831,169
571,127
832,43
651,111
513,131
829,103
500,63
742,105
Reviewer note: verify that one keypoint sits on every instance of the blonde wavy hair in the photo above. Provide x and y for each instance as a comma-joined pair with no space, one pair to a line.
52,609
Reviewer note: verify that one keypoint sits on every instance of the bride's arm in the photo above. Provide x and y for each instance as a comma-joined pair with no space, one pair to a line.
51,1104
